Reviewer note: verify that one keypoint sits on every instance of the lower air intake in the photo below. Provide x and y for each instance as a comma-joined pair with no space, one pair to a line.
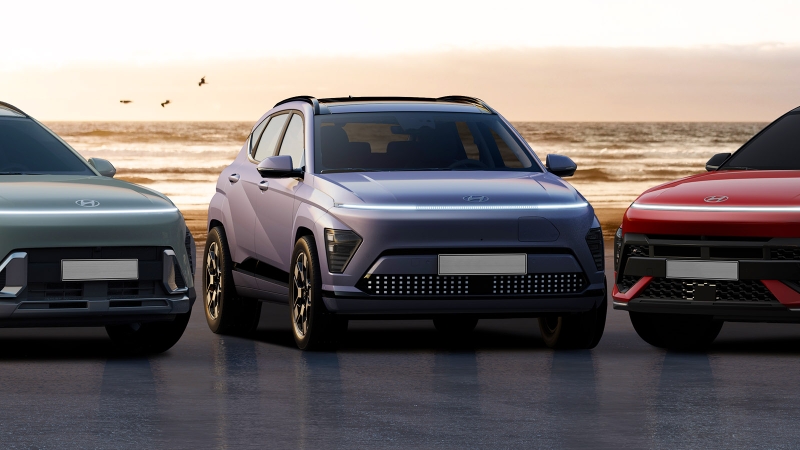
473,285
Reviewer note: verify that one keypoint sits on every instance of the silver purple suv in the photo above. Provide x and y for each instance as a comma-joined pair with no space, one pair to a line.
348,208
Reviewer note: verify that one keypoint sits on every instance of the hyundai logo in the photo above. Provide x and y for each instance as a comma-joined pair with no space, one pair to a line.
715,198
87,203
476,198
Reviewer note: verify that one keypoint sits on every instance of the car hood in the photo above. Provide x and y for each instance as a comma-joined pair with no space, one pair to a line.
742,188
447,188
63,193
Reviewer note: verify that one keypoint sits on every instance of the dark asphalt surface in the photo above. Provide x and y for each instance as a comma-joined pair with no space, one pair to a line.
397,384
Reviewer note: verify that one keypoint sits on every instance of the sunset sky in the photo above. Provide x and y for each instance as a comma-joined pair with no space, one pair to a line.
568,60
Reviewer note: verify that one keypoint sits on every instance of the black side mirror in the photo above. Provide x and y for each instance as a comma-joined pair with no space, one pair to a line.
716,161
278,167
103,167
560,165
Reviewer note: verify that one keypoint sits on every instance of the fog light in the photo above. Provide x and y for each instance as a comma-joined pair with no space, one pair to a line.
340,246
617,247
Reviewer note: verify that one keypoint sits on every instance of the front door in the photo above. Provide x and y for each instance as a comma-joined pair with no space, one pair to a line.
276,204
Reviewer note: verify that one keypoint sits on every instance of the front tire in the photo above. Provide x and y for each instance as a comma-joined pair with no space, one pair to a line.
226,312
149,338
676,331
576,331
313,327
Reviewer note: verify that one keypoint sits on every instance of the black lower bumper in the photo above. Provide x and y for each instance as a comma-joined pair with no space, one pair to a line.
728,311
482,307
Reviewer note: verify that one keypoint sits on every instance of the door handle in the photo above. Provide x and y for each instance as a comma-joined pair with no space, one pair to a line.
233,178
264,185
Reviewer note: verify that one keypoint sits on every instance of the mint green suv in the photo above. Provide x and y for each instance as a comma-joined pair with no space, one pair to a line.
79,248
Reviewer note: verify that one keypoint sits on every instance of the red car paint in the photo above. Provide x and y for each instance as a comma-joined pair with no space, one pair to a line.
760,203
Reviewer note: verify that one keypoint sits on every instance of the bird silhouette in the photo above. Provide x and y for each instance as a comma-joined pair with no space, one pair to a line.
165,103
202,81
125,102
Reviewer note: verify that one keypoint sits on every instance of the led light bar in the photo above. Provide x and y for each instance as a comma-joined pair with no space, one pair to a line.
85,211
462,207
717,208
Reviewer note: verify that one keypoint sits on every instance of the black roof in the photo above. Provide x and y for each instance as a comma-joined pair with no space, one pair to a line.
12,108
321,108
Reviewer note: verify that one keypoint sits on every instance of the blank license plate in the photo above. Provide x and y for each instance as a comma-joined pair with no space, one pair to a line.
99,269
505,264
703,270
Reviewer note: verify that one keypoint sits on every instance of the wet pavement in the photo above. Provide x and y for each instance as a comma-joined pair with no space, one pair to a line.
397,384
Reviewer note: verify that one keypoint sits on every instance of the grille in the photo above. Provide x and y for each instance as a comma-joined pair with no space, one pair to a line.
751,291
60,291
785,253
448,285
131,289
639,251
627,282
594,238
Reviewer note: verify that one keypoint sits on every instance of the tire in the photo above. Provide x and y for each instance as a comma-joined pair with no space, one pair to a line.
575,331
313,327
676,331
150,337
455,325
226,312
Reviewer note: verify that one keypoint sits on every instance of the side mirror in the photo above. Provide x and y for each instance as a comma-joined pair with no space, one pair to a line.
716,161
560,165
277,167
104,167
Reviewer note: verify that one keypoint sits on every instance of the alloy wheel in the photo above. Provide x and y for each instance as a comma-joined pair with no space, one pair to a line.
301,303
213,278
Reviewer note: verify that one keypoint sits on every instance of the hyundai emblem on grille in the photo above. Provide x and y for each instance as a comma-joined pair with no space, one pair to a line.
715,198
87,203
476,198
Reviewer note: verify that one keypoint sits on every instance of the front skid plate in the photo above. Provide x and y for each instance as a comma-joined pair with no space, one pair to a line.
479,307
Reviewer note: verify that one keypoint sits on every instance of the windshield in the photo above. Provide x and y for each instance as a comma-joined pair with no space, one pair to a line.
27,148
777,147
401,141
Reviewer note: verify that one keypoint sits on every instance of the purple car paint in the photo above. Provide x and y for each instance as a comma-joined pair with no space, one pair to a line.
416,208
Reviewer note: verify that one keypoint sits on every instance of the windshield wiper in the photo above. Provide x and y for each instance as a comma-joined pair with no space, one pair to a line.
18,173
738,168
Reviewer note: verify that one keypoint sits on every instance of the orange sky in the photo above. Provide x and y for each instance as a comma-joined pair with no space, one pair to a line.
571,60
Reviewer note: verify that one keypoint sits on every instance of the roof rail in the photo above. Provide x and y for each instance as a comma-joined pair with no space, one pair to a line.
465,99
320,108
13,108
302,98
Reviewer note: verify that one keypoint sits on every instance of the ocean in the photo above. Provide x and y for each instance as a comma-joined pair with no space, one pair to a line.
616,161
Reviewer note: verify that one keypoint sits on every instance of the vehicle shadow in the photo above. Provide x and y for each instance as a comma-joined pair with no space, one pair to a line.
404,335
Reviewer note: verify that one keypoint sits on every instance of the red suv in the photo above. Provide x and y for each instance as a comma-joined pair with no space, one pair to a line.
715,247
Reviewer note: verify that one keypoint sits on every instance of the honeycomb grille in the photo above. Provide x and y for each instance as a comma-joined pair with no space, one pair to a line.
627,282
785,253
750,291
461,285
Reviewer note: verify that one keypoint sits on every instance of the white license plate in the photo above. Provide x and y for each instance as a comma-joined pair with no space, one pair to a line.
504,264
703,270
99,269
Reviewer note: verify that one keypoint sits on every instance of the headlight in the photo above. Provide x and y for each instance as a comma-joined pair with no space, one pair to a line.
617,247
340,246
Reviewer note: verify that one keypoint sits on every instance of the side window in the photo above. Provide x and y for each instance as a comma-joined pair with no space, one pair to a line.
257,133
266,145
293,141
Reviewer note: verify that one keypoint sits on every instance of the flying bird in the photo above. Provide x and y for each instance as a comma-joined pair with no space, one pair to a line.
125,102
165,103
202,81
